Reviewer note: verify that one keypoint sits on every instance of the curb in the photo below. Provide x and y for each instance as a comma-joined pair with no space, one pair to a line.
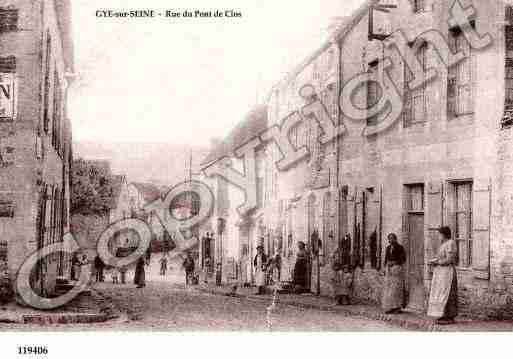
409,324
105,313
39,319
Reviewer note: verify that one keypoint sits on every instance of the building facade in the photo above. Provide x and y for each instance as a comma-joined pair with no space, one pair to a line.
437,153
35,133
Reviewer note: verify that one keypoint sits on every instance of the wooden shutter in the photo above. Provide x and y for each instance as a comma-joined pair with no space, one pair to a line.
481,229
379,233
48,215
434,216
360,220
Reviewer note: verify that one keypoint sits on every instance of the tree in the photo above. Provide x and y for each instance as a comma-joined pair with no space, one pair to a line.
92,189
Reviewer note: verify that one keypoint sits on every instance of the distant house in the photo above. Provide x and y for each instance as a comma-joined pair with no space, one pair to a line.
141,194
88,225
120,203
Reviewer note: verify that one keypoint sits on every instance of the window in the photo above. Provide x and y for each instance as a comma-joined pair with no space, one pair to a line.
419,6
57,118
327,225
460,78
3,251
46,104
507,120
415,198
415,100
461,220
373,94
8,19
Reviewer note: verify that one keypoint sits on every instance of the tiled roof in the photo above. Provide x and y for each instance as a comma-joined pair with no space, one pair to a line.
252,125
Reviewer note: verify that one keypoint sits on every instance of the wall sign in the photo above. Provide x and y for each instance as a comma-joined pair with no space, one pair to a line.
8,92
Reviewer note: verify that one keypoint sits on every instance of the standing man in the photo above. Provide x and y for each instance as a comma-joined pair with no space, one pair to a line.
99,266
188,265
163,265
393,293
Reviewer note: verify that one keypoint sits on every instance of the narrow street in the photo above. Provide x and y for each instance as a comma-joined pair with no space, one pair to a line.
168,306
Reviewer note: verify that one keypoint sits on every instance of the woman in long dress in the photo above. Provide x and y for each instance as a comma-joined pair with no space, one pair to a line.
260,263
300,269
443,298
393,292
140,276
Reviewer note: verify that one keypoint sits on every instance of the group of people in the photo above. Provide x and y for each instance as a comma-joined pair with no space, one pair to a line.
267,270
443,296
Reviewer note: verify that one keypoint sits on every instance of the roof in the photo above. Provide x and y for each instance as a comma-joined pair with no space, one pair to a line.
348,24
63,10
252,125
117,185
149,191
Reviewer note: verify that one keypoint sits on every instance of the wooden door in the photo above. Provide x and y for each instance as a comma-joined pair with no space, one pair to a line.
415,278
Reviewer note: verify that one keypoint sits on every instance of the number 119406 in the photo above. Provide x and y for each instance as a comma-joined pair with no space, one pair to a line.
32,350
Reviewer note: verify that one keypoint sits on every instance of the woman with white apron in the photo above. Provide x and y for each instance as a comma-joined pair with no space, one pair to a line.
260,265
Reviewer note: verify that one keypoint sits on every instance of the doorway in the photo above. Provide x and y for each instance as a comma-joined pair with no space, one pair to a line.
415,238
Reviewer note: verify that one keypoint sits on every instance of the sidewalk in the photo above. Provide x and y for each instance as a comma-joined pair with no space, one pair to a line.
407,320
88,307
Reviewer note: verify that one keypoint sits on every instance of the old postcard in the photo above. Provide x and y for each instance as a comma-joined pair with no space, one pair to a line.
255,166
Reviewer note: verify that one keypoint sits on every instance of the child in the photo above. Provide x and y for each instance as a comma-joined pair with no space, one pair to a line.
343,285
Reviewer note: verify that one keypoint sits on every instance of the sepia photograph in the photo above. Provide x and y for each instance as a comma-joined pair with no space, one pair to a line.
254,167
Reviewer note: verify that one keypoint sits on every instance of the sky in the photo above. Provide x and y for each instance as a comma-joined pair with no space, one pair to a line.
185,81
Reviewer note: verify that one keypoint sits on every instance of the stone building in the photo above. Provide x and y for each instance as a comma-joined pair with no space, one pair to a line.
35,133
426,141
232,235
441,161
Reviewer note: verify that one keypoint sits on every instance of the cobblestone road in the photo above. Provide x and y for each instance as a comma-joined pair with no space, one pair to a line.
165,306
171,307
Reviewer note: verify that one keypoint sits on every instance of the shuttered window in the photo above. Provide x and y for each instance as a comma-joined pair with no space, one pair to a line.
57,132
327,225
373,94
46,104
460,84
8,19
460,216
419,6
507,120
8,64
415,100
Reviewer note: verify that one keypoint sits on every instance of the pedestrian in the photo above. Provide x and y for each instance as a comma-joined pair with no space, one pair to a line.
300,269
99,267
260,265
140,276
274,265
443,298
114,276
393,291
75,267
188,265
342,276
163,265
